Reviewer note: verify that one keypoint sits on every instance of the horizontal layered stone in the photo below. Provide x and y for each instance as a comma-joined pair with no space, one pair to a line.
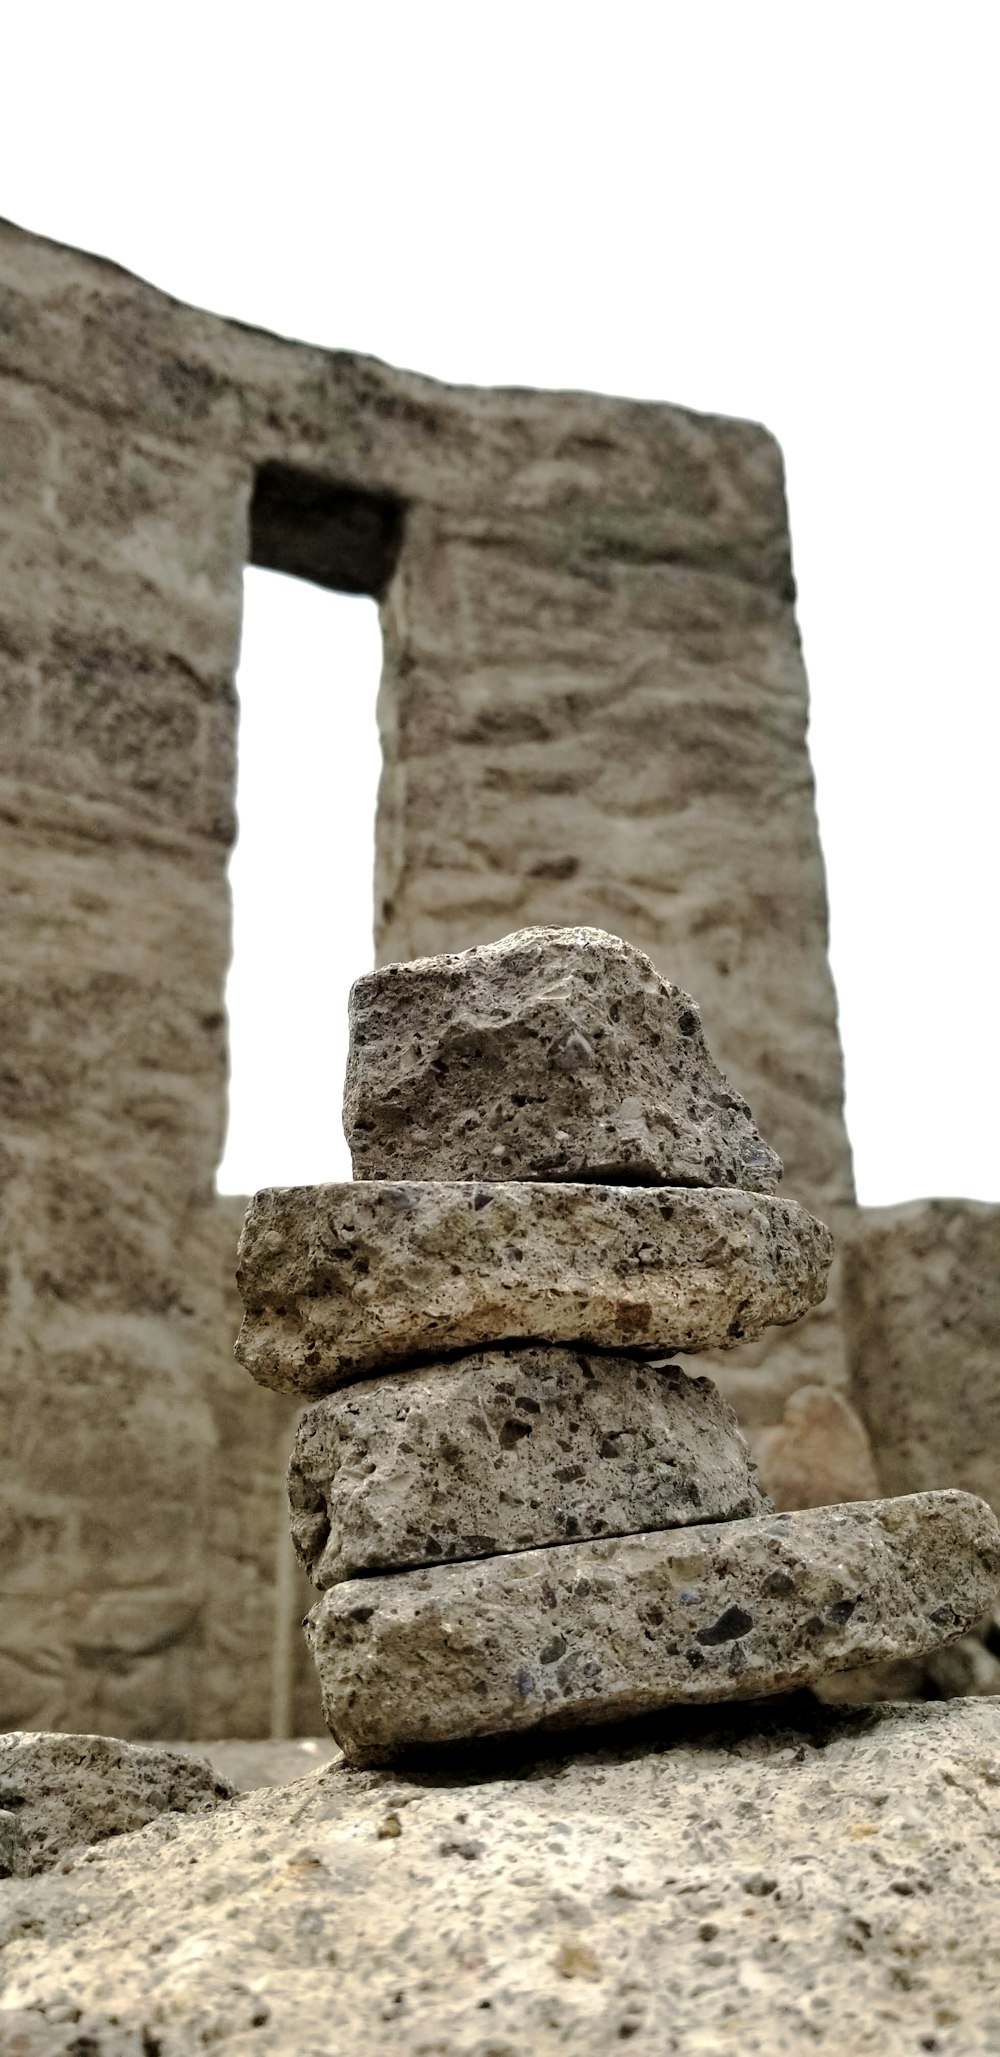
556,1053
341,1280
509,1450
598,1631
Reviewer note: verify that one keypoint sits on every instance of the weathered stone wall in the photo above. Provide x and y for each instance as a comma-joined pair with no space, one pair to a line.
593,709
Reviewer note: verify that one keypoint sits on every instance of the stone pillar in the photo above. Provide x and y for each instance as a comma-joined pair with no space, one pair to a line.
596,712
121,558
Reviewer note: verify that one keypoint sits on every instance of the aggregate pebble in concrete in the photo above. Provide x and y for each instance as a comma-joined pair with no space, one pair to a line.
556,1053
339,1280
508,1450
738,1882
597,1631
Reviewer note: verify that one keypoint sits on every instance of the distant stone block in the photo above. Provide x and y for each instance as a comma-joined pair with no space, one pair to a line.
922,1311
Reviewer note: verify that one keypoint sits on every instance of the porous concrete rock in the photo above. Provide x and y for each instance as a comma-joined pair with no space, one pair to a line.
596,1631
754,1881
508,1450
555,1053
343,1279
65,1790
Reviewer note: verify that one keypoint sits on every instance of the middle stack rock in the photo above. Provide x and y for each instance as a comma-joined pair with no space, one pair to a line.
518,1512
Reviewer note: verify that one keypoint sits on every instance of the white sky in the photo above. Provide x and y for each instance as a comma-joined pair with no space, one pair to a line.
781,211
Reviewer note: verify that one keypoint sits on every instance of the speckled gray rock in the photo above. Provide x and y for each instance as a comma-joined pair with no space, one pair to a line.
343,1279
556,1053
508,1450
64,1790
596,1631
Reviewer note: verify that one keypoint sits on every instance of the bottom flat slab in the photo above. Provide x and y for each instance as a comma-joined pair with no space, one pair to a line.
597,1631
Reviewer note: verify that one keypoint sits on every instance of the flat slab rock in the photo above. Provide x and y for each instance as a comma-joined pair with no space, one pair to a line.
753,1881
60,1791
508,1450
344,1279
556,1053
598,1631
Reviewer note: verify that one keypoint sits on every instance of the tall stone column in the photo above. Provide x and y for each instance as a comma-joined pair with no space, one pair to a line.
596,712
121,556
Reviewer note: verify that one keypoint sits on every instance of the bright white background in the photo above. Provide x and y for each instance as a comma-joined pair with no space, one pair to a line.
781,211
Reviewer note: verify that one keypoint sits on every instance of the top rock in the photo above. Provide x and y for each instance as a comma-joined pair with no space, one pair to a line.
555,1054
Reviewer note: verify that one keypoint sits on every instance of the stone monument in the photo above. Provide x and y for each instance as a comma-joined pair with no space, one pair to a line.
519,1511
593,706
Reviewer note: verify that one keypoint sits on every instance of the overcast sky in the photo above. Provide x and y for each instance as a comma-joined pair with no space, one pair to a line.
780,211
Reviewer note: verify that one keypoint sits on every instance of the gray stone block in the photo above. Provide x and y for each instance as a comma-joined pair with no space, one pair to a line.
508,1450
596,1631
556,1053
344,1279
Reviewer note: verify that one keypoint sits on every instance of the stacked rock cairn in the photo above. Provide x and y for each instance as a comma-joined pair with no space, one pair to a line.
519,1512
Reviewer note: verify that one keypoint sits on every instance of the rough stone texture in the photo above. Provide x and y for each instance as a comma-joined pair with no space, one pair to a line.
593,709
748,1881
595,1631
922,1308
509,1450
64,1790
343,1279
556,1053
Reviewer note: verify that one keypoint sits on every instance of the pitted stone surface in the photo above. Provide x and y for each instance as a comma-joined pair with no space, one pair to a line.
747,1881
344,1279
556,1053
596,1631
508,1450
61,1791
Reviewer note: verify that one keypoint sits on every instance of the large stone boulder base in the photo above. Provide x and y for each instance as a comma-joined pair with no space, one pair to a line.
752,1882
557,1053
